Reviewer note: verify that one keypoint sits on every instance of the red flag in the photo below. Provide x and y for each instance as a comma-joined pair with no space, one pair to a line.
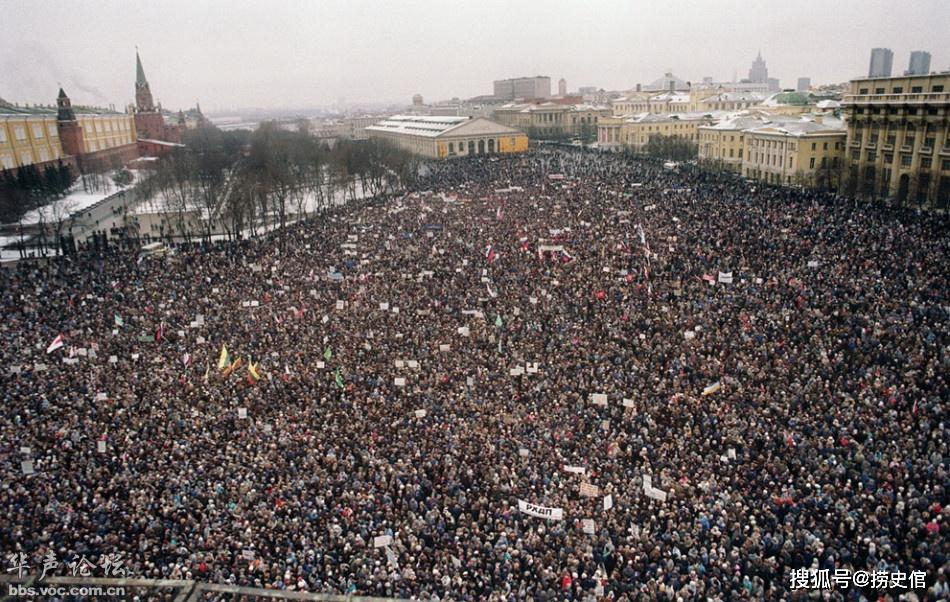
56,344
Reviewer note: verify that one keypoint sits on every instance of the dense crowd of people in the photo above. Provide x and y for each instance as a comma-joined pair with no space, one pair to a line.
554,328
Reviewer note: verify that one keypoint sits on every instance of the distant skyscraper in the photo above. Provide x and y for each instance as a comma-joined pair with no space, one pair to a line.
774,84
804,84
562,87
881,61
919,63
759,73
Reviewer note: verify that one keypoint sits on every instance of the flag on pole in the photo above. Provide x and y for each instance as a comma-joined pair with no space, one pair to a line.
233,367
118,320
253,373
498,322
328,354
490,255
160,332
224,360
339,379
56,344
712,388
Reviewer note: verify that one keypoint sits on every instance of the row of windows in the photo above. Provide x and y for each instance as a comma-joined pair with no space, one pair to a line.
27,158
112,125
19,132
936,88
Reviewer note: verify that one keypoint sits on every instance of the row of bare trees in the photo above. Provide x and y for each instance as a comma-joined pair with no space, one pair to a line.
241,183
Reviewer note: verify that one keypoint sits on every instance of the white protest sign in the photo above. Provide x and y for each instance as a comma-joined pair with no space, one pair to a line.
598,399
575,469
444,348
412,364
340,304
384,306
27,467
532,367
656,494
540,511
400,382
647,482
420,413
382,540
113,359
523,452
463,330
587,525
589,490
242,412
101,446
400,364
725,277
627,403
608,502
321,364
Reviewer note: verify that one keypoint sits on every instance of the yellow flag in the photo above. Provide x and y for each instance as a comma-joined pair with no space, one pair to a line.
225,359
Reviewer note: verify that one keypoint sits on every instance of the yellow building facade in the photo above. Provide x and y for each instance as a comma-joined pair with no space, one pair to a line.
798,153
899,139
31,136
28,139
443,137
634,132
552,120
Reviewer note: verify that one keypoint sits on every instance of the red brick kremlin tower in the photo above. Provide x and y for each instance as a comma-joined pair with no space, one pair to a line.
149,122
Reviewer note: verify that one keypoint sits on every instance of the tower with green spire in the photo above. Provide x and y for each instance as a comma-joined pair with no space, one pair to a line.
143,95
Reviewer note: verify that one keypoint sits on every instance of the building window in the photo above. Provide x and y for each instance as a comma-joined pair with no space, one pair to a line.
898,89
925,162
44,156
26,158
37,131
20,132
888,158
52,131
906,160
937,88
872,156
6,161
813,146
811,163
3,134
916,89
945,165
451,148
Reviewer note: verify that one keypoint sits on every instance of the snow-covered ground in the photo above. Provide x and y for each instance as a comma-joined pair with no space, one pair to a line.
77,200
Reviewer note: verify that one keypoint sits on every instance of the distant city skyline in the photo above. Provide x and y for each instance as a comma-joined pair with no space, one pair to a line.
244,54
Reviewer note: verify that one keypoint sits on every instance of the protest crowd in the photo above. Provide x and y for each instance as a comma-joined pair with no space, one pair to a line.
564,375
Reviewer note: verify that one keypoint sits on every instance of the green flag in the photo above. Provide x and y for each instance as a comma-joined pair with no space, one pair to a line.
328,355
339,379
498,322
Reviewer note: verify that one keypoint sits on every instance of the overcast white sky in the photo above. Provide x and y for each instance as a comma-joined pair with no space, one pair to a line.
295,53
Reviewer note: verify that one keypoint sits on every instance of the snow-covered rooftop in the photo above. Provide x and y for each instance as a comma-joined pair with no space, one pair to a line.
418,125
